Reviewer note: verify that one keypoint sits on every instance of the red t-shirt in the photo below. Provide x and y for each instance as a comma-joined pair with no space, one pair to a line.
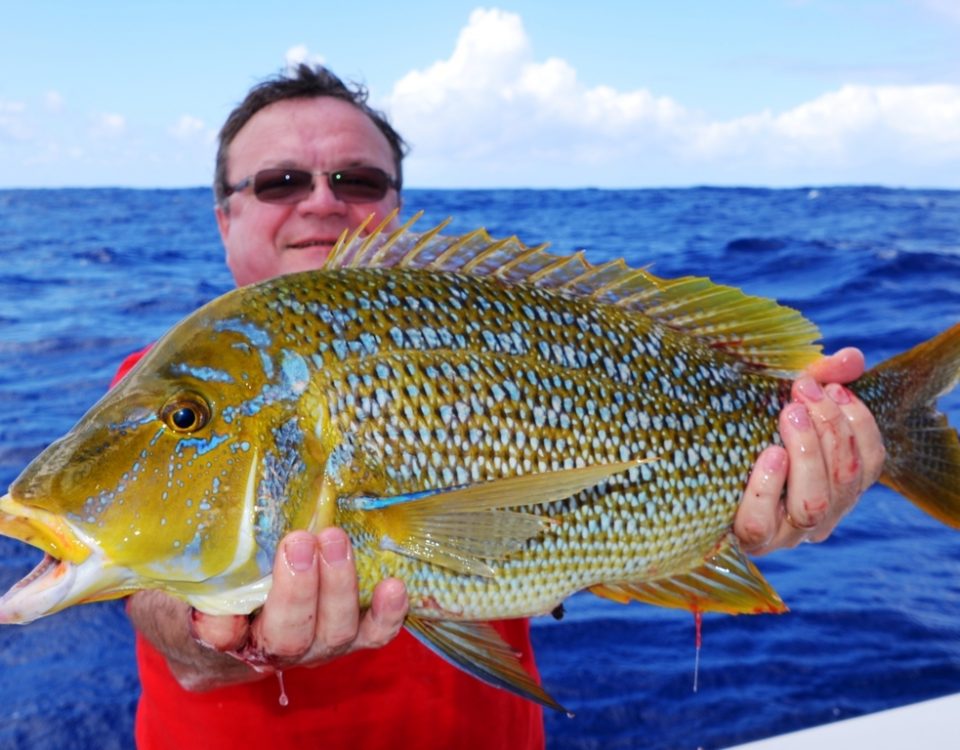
398,696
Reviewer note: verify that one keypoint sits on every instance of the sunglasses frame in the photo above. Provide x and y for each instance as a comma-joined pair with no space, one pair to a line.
301,192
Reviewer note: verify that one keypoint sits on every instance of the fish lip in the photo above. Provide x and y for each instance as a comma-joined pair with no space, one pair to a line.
42,529
39,592
72,569
56,584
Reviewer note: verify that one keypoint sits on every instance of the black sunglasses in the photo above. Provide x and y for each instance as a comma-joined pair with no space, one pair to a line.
350,185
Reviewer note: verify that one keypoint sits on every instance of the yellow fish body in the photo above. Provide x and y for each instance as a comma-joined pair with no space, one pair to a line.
494,425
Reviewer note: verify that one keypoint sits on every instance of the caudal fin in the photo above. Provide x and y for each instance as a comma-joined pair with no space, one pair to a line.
923,450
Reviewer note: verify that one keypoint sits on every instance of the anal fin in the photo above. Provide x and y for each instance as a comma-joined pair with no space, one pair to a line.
727,582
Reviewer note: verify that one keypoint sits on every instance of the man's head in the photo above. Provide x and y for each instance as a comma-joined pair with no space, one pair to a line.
310,130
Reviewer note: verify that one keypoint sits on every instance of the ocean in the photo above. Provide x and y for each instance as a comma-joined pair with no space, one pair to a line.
89,275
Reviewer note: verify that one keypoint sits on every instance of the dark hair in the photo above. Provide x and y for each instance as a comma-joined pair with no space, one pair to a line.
305,82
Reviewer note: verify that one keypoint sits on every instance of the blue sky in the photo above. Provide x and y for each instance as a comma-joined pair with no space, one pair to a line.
526,93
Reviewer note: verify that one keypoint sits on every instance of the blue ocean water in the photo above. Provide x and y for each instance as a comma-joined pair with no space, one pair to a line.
87,276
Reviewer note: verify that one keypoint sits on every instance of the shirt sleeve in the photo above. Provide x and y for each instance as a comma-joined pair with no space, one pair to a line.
128,364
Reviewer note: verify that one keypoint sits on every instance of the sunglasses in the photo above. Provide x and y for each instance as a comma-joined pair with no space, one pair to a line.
286,186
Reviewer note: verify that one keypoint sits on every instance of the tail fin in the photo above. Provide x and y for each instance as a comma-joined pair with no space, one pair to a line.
923,450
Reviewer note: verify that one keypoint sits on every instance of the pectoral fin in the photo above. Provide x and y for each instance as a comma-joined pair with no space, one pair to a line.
463,528
726,582
478,649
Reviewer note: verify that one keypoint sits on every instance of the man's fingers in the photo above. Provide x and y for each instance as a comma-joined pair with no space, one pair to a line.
844,366
285,627
758,516
219,632
338,615
388,609
863,426
839,453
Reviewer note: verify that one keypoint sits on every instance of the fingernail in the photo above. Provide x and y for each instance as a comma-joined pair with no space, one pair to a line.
810,389
334,551
774,461
838,394
798,417
300,554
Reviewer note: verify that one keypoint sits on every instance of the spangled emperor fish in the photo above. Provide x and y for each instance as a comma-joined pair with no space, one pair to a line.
497,426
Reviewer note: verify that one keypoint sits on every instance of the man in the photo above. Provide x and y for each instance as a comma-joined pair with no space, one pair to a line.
300,160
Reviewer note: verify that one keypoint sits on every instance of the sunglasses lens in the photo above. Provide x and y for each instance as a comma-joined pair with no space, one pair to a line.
360,184
282,185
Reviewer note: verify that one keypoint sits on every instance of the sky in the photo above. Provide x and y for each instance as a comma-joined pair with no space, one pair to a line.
529,93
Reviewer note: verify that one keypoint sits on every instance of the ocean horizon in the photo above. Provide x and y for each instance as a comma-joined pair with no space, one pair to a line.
90,275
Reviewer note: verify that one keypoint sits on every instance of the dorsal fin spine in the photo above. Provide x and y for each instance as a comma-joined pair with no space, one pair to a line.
754,330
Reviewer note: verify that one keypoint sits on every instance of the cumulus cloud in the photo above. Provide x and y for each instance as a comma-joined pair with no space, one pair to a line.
493,109
300,54
853,124
492,96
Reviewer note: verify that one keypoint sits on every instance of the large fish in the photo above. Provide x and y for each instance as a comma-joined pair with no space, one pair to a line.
497,426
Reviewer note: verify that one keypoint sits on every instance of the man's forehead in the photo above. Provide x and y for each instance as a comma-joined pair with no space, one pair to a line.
318,122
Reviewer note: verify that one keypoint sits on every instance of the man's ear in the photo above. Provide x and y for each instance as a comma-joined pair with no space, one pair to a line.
223,221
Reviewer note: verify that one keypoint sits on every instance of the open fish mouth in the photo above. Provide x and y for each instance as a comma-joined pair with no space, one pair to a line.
39,592
72,569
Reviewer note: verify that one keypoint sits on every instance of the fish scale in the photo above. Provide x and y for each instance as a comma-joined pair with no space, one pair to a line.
496,426
529,385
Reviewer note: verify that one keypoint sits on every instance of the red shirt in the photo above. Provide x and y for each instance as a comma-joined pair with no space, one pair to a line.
398,696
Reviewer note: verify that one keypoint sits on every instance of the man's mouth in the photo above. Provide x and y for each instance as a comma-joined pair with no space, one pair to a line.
304,244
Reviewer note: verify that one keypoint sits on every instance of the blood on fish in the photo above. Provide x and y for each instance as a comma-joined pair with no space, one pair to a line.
283,700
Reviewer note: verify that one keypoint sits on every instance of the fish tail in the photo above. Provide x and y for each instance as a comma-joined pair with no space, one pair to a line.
923,450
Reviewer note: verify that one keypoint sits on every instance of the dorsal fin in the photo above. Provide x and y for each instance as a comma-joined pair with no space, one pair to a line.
756,330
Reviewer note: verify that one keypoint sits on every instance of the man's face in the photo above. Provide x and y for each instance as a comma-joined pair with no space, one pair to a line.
322,134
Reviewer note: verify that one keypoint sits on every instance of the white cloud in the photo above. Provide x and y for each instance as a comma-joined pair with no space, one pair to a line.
854,123
300,54
108,125
12,123
494,112
948,9
491,94
187,127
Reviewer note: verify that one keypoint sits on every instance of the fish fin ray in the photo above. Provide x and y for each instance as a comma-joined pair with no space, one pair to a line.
727,581
478,649
463,527
755,330
463,542
923,450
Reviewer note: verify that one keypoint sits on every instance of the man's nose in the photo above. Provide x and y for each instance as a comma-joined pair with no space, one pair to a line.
322,199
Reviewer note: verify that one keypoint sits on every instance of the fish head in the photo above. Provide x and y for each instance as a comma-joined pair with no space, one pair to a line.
178,478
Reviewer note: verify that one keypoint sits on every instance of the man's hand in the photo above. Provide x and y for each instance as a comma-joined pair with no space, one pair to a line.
832,453
311,616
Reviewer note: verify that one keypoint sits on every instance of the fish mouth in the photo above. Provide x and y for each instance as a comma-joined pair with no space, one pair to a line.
43,529
72,569
39,592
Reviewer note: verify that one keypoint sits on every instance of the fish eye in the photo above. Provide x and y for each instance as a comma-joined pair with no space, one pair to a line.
185,413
